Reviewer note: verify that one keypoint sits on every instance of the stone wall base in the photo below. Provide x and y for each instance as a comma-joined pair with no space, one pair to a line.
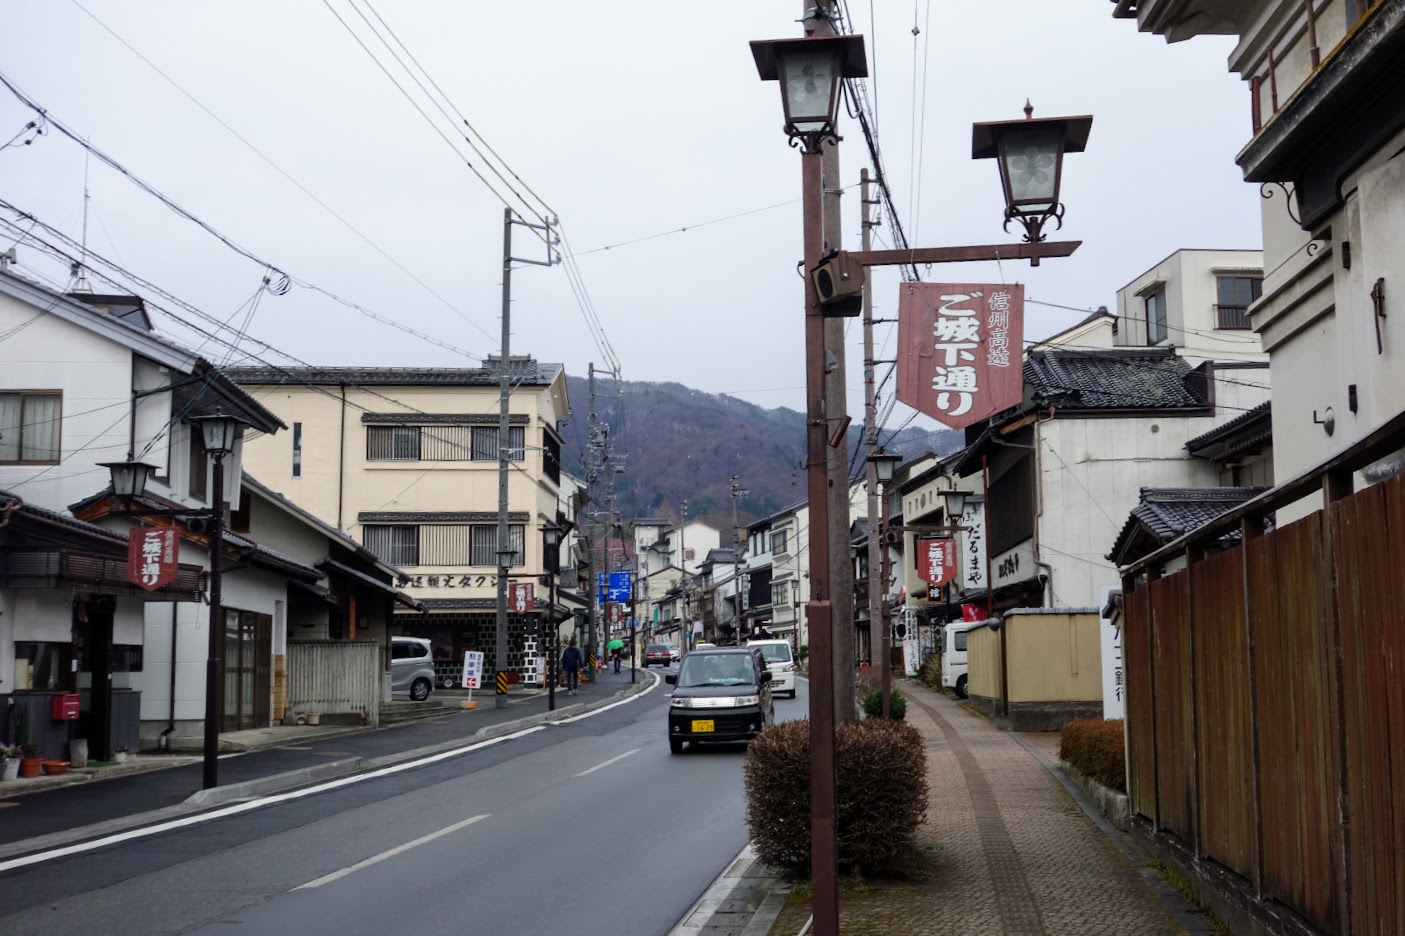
1110,802
1228,896
1037,716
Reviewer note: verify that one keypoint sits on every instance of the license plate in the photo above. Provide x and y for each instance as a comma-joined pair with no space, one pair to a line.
701,725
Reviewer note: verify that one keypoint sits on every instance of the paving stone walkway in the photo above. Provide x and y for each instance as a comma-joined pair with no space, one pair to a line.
1005,849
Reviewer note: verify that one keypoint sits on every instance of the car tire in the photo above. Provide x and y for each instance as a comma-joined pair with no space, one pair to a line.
419,689
961,687
675,745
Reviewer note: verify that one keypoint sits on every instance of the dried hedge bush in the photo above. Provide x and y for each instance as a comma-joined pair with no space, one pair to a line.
1096,747
882,794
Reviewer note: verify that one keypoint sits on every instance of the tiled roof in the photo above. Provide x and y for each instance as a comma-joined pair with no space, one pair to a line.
1123,378
1169,513
1244,431
12,503
527,371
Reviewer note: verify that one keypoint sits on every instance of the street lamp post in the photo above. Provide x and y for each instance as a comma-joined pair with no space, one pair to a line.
551,540
884,464
218,432
810,71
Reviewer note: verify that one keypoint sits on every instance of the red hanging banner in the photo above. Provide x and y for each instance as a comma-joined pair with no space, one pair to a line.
972,613
960,350
936,560
153,556
523,598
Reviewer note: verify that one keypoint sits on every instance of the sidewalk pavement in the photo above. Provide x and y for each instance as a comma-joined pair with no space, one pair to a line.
170,785
1008,846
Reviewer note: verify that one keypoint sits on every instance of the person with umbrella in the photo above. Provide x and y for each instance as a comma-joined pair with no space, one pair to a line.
615,646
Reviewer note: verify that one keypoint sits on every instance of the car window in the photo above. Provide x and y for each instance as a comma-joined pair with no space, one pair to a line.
775,653
399,651
717,669
959,643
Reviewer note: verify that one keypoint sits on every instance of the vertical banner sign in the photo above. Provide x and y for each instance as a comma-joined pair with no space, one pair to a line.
1114,705
973,546
936,560
960,350
152,556
523,598
614,613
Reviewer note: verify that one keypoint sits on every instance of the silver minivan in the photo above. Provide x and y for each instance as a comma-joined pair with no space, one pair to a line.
411,667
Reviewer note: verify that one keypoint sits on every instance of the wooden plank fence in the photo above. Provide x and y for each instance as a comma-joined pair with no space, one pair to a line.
1266,706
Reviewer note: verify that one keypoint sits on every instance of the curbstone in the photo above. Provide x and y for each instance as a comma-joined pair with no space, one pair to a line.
1111,803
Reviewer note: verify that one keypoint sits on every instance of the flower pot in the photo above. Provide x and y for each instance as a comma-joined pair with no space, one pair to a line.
55,767
29,767
120,757
11,770
313,718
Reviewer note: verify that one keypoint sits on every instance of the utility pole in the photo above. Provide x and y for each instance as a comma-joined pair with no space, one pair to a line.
590,479
683,565
835,414
737,494
877,587
505,552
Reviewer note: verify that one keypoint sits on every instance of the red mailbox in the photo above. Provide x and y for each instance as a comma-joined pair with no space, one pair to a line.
65,707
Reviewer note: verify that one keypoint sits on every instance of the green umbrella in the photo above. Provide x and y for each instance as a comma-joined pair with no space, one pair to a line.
615,645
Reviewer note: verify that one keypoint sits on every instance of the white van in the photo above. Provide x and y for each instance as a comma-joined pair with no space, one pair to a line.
780,662
954,656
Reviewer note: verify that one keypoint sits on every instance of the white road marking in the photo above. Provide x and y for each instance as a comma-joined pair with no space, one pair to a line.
613,760
390,853
605,708
236,808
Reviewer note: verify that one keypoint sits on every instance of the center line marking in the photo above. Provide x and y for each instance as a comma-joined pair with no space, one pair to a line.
609,762
390,853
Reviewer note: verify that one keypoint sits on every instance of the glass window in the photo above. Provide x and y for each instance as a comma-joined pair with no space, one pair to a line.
717,669
485,544
775,653
778,542
29,427
485,443
1235,294
297,450
959,640
398,545
392,443
199,463
1156,317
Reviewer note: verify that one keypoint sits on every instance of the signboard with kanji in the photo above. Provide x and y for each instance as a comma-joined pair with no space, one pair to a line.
614,614
521,598
936,560
153,556
973,546
473,669
960,350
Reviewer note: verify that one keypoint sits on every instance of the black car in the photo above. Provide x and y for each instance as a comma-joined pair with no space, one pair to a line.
658,653
720,694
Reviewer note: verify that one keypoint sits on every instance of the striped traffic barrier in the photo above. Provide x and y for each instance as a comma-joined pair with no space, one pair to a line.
502,683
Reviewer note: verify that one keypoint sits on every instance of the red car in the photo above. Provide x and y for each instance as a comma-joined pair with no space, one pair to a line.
658,653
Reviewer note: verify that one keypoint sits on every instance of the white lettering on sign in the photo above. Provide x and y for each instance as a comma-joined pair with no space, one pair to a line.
957,335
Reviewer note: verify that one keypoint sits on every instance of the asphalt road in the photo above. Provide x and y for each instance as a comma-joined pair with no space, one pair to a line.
588,827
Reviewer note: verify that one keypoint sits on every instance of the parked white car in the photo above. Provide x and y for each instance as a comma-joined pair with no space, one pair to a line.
411,667
954,656
780,661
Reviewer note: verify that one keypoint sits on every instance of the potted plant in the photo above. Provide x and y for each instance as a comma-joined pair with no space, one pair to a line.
9,761
29,759
120,755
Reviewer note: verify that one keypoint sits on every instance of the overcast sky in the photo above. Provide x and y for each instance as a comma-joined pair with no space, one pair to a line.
629,118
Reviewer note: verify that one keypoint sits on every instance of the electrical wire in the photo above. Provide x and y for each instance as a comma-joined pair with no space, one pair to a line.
277,168
922,131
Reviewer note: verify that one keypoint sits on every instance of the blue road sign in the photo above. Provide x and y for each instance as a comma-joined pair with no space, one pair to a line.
619,589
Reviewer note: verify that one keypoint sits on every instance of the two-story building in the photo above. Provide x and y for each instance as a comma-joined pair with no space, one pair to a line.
406,462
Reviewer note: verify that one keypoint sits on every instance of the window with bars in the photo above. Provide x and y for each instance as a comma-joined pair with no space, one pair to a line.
1235,295
398,544
432,545
441,443
29,427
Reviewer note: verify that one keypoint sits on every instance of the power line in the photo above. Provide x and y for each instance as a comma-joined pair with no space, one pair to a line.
277,168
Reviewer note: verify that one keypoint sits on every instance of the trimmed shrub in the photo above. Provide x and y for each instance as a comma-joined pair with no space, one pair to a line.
1095,746
931,672
882,794
873,704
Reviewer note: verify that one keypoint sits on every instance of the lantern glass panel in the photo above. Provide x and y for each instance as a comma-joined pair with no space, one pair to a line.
807,78
1032,163
218,434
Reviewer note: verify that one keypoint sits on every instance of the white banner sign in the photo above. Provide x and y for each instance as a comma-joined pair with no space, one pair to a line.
1113,687
972,553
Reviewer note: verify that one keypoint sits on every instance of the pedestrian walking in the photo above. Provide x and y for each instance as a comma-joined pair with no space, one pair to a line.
571,663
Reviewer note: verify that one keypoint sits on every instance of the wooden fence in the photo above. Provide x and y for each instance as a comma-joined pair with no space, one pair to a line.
1266,705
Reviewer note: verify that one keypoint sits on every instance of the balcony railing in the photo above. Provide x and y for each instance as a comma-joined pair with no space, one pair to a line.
1232,317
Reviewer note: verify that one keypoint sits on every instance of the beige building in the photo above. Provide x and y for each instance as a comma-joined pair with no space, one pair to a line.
405,461
1324,133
